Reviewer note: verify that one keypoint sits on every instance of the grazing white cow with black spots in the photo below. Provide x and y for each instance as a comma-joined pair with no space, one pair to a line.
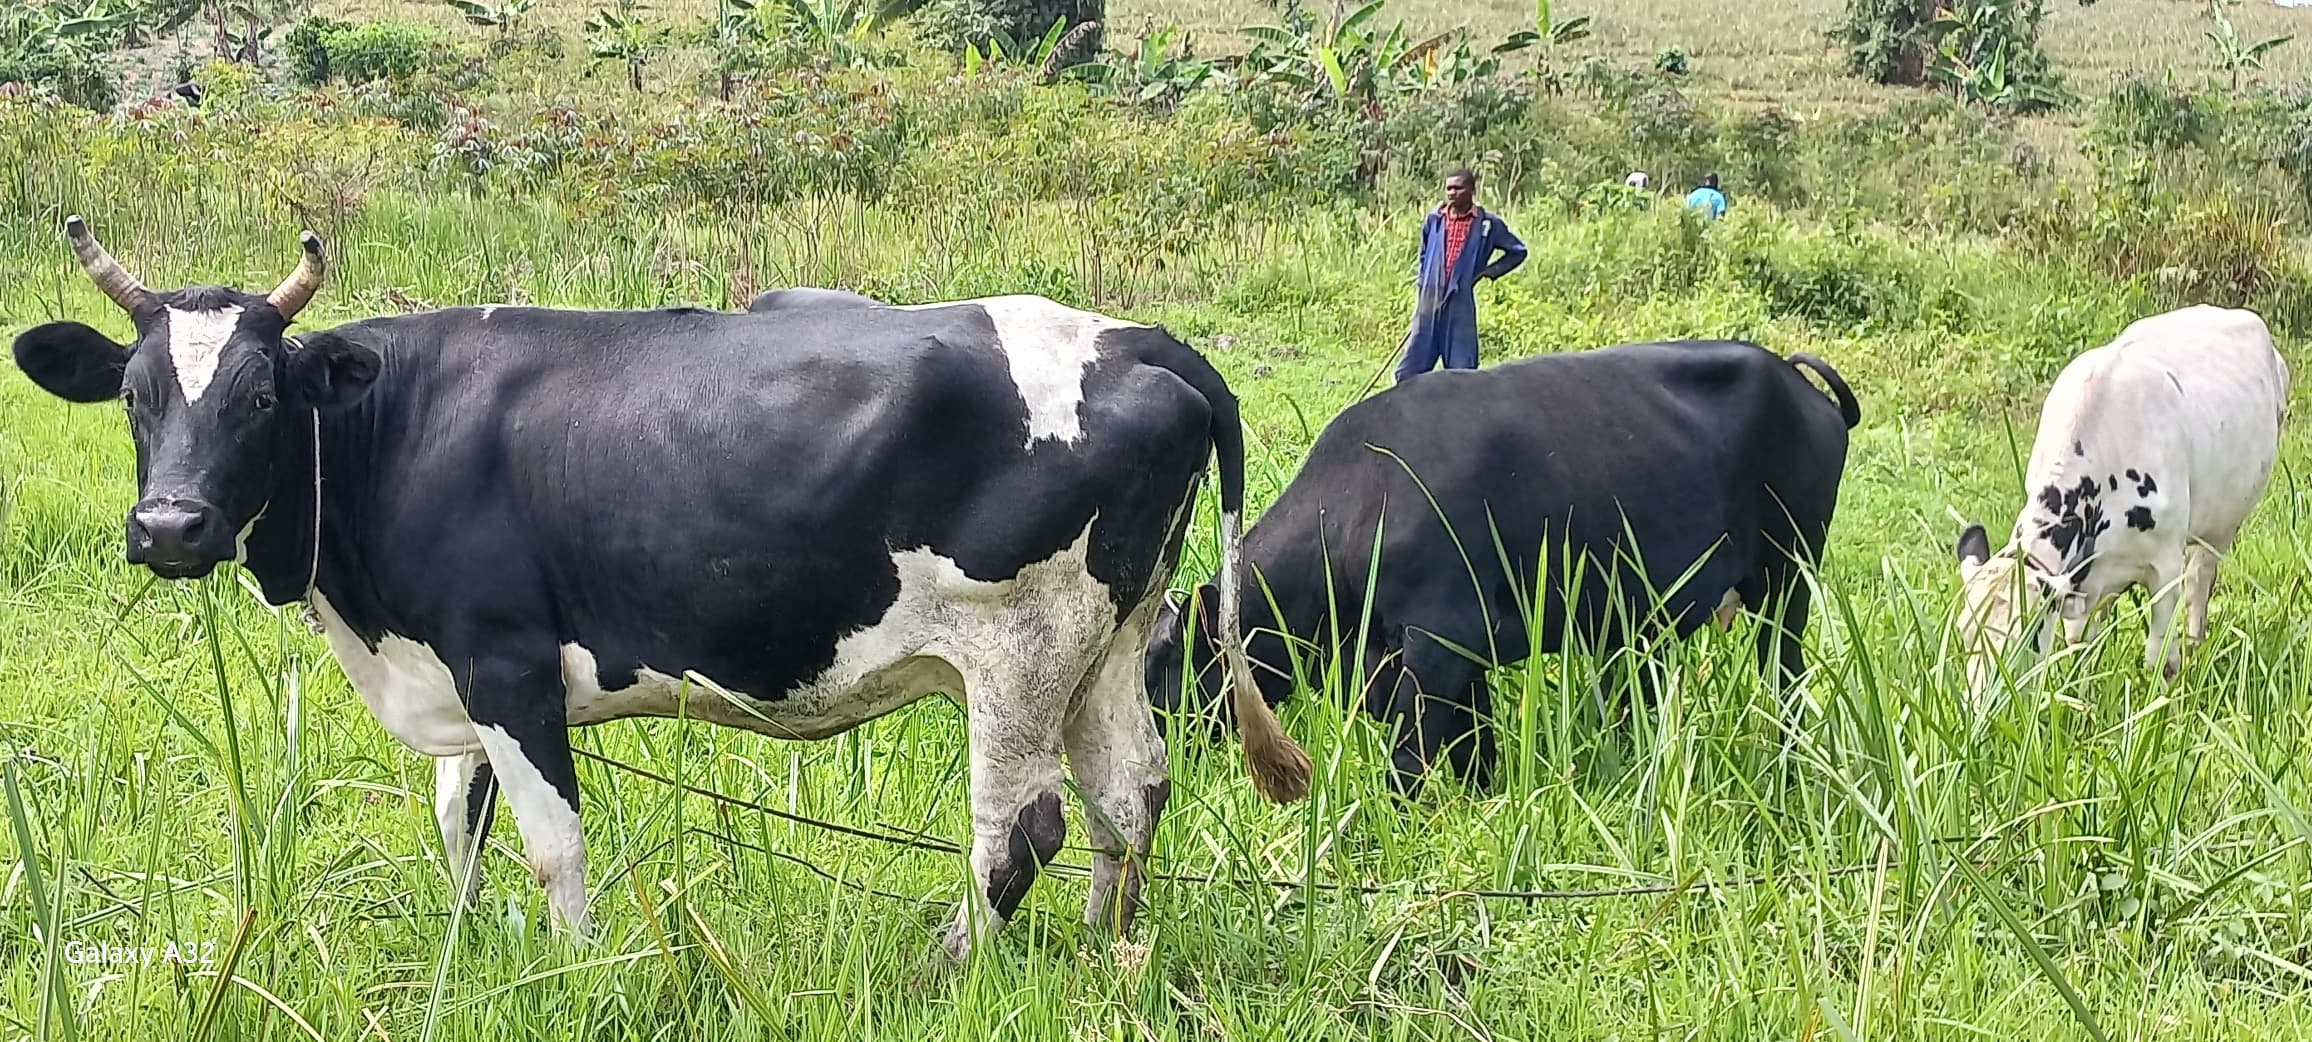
2151,452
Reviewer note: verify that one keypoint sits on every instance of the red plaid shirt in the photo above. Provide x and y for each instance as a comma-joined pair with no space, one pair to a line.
1456,232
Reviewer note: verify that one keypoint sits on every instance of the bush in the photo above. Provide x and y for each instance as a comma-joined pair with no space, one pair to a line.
305,49
2142,114
82,77
952,25
384,50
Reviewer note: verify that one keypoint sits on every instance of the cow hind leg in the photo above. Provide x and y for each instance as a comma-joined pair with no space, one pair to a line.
518,717
1117,758
1430,708
465,803
1787,601
1476,758
2200,565
1017,821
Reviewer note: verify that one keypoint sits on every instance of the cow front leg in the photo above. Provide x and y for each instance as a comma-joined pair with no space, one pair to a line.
1016,818
1433,715
465,803
518,715
2163,648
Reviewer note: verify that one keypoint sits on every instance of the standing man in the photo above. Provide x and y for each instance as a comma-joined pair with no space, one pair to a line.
1707,198
1458,244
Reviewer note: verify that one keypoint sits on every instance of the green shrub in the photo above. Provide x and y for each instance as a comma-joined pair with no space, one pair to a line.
383,50
81,76
305,48
2143,114
953,25
1827,282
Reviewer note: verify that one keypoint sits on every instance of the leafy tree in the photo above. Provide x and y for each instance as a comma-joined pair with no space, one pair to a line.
1986,51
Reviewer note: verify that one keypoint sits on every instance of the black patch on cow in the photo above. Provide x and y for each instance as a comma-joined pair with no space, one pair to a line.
2111,482
1156,795
2147,487
1035,840
481,800
2140,519
2078,518
2078,448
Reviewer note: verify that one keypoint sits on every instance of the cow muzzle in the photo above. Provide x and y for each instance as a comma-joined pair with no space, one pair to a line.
175,538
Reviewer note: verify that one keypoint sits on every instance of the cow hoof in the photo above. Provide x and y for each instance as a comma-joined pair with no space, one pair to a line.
960,940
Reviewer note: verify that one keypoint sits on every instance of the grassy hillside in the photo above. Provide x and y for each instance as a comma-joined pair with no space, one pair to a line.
2093,855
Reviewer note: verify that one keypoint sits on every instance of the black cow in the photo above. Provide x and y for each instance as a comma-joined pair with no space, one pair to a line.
510,521
1712,451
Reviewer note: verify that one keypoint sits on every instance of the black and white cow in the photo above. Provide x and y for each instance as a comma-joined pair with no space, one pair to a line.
511,521
1713,452
2152,450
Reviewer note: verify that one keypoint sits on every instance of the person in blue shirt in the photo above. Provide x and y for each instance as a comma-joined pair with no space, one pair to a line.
1459,241
1707,198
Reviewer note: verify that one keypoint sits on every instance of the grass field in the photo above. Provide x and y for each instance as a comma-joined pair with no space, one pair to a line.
2096,856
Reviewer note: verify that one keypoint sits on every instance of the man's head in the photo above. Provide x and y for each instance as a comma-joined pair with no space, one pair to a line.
208,385
1460,190
1710,180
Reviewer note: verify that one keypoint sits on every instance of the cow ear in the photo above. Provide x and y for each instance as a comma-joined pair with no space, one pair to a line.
1974,549
331,371
71,361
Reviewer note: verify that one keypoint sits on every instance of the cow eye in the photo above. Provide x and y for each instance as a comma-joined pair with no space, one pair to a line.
264,401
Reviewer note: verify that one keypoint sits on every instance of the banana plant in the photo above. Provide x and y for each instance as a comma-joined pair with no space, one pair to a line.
1154,75
506,15
1346,60
2232,53
1001,49
1549,34
621,35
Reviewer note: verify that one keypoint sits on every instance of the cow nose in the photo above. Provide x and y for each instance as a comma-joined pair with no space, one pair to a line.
165,533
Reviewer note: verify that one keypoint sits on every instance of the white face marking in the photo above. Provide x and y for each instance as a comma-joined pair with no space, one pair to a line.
944,627
1048,346
486,309
406,686
552,838
196,340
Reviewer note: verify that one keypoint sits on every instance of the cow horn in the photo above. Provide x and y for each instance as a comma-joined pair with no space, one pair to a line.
109,276
299,287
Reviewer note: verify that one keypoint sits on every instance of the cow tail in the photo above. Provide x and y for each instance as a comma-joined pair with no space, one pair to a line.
1278,766
1848,409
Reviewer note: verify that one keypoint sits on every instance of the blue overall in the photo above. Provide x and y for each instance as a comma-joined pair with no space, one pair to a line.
1445,309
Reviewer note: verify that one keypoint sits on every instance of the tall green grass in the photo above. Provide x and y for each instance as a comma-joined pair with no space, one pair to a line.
2091,855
